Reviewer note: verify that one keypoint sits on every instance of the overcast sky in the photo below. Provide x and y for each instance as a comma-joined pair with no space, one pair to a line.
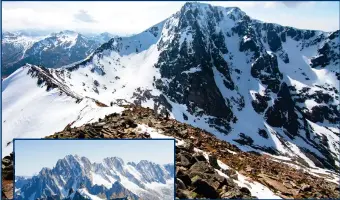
134,17
32,155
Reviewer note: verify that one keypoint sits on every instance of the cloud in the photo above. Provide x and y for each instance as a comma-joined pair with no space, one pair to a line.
292,4
134,17
83,16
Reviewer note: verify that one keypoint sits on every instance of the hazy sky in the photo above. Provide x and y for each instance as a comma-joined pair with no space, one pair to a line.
135,17
32,155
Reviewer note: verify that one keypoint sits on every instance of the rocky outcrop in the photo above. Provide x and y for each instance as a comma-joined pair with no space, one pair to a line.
327,53
7,170
112,126
282,113
45,77
195,171
265,68
196,177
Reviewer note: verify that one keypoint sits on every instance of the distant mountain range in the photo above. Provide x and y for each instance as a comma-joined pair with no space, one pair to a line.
50,50
75,177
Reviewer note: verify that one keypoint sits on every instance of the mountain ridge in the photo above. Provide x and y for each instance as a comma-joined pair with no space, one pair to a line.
74,172
67,46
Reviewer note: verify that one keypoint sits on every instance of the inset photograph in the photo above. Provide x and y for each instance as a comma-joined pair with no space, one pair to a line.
94,169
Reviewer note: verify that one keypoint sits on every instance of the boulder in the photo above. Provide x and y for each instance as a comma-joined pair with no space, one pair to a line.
180,174
185,194
202,167
199,157
180,184
213,161
187,146
306,187
231,173
185,159
232,194
203,188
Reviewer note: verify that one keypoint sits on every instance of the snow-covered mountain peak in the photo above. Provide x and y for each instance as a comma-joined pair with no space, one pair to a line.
64,33
131,163
50,50
145,163
74,174
204,8
71,159
115,163
45,171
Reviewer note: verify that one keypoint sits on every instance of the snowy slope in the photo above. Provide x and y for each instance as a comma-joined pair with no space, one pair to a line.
260,86
22,119
84,193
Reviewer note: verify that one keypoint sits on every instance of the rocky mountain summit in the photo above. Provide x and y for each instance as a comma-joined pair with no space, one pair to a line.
207,167
113,178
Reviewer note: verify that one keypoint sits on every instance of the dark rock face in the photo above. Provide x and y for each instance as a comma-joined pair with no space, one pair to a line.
263,133
321,113
282,113
244,140
327,110
199,87
265,68
323,59
274,40
327,53
249,45
260,103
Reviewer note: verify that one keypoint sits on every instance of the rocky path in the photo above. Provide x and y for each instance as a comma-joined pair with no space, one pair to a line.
196,175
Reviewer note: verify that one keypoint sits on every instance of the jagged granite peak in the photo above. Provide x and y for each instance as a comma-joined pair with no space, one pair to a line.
153,172
114,162
220,70
74,175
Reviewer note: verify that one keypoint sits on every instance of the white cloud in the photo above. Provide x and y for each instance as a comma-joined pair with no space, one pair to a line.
122,17
84,16
292,4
